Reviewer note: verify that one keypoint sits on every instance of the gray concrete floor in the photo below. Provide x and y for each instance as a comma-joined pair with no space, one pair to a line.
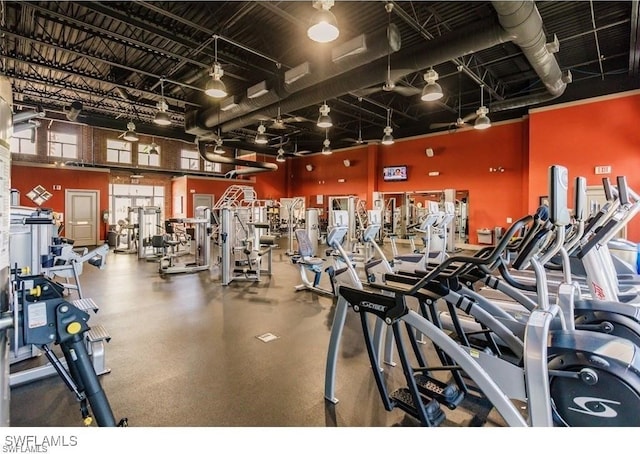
184,352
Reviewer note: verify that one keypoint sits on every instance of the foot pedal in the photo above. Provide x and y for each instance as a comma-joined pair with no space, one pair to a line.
86,305
402,399
98,333
447,394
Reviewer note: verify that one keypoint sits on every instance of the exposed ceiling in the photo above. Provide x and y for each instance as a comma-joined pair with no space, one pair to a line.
116,57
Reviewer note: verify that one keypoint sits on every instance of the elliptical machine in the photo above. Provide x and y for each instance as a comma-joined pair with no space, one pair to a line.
566,376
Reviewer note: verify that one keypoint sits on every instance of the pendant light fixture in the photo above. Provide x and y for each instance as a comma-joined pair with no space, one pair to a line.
162,117
326,145
432,91
324,120
482,122
215,87
130,135
280,157
387,139
261,137
323,27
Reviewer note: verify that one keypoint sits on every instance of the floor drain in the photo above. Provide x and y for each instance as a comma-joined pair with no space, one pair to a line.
267,337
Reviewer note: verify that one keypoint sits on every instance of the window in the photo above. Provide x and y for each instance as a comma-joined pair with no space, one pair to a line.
119,151
63,145
212,167
145,158
123,197
21,142
189,160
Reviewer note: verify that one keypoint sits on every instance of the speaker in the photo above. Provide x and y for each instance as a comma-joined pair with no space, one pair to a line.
429,152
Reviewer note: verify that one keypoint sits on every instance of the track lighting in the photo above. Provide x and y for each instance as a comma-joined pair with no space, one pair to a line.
387,139
130,135
162,117
261,137
432,91
215,87
324,27
324,120
482,122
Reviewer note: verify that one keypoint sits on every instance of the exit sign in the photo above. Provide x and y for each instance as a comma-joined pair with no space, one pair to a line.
603,170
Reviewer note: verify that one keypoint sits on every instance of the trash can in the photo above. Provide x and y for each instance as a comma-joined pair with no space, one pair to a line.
112,238
485,236
497,234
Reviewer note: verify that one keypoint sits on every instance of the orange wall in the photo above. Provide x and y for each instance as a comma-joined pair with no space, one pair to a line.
585,135
25,178
327,170
462,158
579,136
179,192
269,186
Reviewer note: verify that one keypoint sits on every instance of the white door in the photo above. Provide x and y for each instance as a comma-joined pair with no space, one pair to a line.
202,200
81,217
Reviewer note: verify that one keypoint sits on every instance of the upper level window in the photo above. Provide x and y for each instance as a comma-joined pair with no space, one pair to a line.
21,142
119,151
148,155
63,145
189,160
212,167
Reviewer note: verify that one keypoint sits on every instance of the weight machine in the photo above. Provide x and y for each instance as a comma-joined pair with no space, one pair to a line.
292,208
201,225
245,243
41,318
127,233
149,228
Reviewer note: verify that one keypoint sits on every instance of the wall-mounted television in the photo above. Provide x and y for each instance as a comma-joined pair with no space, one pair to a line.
394,173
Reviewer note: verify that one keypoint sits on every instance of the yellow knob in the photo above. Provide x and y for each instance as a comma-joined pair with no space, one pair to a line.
74,328
36,291
88,420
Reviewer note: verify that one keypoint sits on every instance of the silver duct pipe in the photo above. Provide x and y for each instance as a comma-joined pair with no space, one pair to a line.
418,57
237,172
30,124
523,23
372,47
212,157
25,116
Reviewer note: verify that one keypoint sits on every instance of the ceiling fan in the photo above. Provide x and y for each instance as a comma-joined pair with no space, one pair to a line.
151,149
359,140
280,122
392,76
461,122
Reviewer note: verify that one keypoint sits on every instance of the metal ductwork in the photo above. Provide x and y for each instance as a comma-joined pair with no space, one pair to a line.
26,116
243,172
523,23
360,51
256,165
418,57
25,125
